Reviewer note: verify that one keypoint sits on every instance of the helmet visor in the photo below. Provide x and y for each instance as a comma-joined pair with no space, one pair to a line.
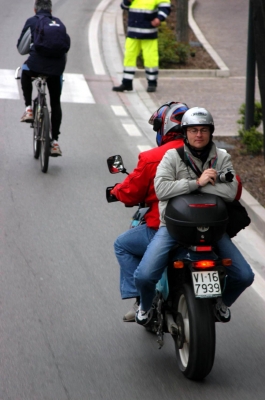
152,118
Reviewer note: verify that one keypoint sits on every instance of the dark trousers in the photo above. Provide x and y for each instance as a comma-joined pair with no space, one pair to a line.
54,84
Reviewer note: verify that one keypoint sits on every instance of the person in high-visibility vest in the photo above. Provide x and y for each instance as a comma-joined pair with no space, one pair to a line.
144,18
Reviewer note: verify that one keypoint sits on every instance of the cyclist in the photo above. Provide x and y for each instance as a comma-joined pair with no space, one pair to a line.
38,64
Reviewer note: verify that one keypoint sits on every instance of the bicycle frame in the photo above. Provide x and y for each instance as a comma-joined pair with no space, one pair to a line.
41,83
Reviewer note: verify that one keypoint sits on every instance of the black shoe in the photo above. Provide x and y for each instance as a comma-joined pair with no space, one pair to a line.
221,311
151,89
143,317
122,88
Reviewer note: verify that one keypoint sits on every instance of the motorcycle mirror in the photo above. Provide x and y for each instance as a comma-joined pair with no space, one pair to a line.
115,165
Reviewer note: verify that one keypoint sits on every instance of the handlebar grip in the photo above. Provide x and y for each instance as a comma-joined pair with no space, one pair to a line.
110,197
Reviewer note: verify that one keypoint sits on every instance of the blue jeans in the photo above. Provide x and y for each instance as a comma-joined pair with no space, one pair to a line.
129,249
154,261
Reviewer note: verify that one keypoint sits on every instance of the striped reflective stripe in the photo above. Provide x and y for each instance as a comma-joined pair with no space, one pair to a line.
163,14
140,30
141,11
129,69
151,77
128,76
151,70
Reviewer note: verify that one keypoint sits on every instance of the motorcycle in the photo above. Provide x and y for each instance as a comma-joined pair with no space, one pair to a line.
194,278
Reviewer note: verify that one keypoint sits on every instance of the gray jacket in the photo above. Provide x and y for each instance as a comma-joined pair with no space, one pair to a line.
174,178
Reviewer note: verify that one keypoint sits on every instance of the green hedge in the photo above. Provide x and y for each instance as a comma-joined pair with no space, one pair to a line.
252,138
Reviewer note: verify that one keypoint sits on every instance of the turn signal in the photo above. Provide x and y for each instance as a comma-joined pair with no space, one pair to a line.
204,264
178,264
226,262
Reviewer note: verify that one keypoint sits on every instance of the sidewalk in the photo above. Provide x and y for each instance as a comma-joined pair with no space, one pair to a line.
221,95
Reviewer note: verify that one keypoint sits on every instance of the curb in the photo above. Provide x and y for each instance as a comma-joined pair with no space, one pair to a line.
222,72
256,212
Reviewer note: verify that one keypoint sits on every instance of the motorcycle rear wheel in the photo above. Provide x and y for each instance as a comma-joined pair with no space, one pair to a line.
195,343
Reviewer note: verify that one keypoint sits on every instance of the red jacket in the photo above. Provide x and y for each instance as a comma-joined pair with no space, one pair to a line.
138,187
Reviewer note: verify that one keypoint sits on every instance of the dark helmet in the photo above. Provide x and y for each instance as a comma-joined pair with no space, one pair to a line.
197,116
168,119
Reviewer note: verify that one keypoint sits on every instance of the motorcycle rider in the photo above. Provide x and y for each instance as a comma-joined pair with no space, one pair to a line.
174,178
138,187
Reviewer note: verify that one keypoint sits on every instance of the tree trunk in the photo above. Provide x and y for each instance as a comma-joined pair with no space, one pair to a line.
258,8
182,27
250,73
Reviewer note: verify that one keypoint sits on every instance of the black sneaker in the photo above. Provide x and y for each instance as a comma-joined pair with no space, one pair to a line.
122,88
143,317
221,311
151,89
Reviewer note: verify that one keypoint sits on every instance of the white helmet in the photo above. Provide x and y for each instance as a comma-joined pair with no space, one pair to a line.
197,116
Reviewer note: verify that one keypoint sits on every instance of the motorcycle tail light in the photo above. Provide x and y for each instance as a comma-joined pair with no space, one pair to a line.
226,262
178,264
204,264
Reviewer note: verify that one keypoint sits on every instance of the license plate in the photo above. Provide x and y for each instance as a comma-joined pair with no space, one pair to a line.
206,284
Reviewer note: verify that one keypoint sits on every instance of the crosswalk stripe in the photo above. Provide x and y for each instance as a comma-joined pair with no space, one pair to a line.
8,85
76,90
132,130
119,111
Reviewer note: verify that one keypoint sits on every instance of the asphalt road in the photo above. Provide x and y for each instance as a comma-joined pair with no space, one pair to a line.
61,331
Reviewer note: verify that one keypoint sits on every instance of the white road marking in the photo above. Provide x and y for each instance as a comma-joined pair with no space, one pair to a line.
93,35
259,284
8,85
76,90
132,130
254,254
119,111
144,148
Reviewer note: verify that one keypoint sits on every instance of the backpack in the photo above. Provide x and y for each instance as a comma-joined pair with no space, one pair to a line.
50,37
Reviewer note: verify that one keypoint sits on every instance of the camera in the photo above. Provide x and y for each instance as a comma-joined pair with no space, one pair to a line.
224,177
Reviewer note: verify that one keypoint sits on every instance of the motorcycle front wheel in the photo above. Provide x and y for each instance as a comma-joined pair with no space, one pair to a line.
195,341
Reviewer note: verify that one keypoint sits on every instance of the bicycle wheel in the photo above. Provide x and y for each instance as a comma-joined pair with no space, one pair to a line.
36,131
45,140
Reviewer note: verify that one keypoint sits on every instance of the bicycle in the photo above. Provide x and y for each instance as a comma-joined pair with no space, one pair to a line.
41,122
